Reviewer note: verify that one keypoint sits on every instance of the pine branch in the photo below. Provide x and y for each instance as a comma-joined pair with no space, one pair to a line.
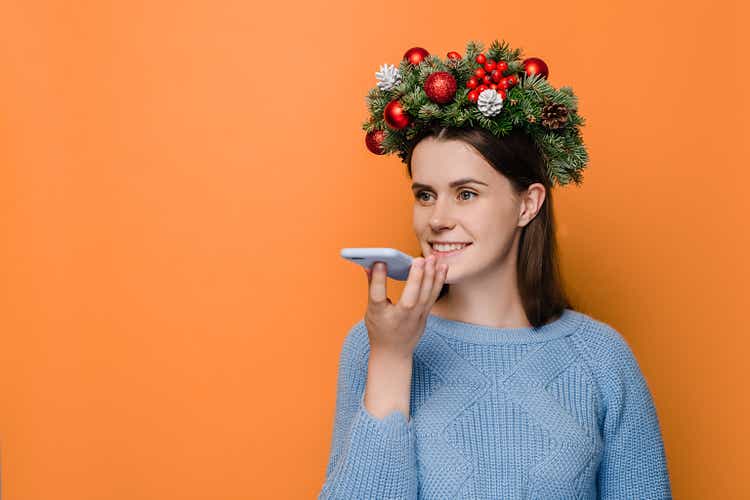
473,48
429,111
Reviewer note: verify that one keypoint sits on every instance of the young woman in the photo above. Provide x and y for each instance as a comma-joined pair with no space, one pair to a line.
482,381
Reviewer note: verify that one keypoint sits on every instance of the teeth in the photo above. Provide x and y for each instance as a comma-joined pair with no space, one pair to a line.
447,248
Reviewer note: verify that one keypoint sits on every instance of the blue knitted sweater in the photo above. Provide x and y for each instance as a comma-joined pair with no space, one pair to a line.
562,411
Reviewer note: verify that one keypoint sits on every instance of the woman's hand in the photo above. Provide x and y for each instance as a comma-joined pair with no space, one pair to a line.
395,330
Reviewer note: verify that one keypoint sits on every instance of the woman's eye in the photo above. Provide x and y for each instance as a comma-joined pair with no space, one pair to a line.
421,193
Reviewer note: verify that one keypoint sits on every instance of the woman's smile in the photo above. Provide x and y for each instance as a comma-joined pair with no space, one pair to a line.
449,250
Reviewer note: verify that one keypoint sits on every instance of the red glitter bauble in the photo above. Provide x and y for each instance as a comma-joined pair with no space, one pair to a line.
374,141
415,55
395,115
534,65
454,55
440,87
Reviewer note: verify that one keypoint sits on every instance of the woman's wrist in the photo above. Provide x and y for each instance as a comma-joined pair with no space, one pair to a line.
388,383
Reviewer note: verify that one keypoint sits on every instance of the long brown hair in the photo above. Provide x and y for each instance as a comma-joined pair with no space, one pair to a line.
517,157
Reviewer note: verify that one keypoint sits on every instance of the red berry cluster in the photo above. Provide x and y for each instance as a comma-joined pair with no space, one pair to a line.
489,75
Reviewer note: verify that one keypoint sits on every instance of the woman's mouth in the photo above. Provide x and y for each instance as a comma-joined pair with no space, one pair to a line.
448,250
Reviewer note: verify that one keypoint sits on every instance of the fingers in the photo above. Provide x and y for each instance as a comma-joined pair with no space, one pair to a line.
441,273
410,295
427,281
377,281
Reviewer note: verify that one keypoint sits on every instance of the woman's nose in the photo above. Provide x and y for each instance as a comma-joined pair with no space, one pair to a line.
440,216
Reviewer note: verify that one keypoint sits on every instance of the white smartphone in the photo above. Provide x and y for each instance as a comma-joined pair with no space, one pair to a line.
397,263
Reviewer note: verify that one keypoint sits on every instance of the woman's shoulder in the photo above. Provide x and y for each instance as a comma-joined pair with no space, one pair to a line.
618,376
604,347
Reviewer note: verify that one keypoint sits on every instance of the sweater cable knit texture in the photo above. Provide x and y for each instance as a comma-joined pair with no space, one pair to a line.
562,411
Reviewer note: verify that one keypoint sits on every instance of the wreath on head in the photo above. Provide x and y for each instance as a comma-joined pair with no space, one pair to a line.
496,90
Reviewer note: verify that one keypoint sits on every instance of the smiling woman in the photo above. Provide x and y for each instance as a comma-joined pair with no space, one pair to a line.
483,381
497,197
511,392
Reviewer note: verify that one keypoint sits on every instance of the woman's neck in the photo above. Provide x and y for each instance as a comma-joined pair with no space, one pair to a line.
513,318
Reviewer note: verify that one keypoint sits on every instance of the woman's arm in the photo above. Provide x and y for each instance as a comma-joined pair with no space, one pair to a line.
371,457
634,463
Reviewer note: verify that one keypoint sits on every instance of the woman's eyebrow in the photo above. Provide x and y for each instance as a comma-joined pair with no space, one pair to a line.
459,182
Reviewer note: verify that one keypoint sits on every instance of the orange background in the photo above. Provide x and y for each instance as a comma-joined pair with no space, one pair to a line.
178,179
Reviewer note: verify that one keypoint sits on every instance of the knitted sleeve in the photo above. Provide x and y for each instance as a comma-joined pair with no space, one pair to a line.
370,458
634,463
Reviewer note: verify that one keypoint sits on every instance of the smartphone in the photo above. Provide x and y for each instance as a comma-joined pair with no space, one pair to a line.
397,263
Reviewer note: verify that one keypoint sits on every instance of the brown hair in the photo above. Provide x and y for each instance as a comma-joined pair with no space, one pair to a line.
517,157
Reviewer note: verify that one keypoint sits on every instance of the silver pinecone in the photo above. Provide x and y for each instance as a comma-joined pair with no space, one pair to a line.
388,76
490,102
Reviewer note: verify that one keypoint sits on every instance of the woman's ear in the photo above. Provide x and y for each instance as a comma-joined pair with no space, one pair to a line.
531,202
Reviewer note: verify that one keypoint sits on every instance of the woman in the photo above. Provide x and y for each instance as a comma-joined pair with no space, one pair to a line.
483,381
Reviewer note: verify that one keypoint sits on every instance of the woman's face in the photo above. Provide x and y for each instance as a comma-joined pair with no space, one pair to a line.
486,213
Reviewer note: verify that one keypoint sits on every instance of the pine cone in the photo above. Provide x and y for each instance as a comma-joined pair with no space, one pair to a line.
490,102
388,77
554,115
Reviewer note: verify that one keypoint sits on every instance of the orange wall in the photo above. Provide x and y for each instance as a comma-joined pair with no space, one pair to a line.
178,178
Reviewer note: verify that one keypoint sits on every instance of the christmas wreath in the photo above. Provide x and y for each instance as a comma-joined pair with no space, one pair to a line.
496,90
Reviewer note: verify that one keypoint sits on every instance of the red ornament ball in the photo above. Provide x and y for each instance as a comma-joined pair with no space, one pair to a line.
473,95
374,141
501,65
440,87
415,55
454,55
472,83
395,115
481,58
490,65
534,65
